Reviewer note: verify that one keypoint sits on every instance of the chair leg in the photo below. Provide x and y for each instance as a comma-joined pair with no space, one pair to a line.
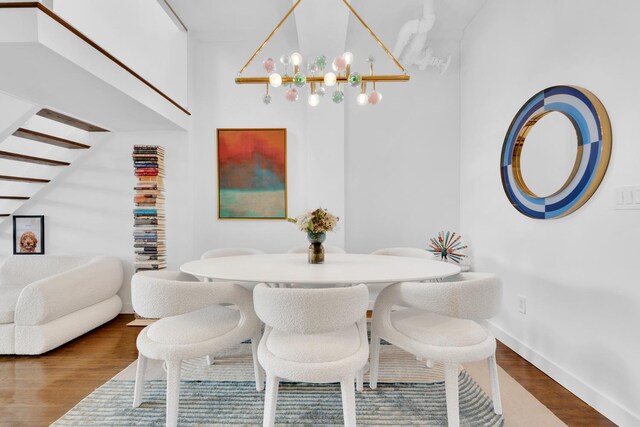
173,392
348,402
210,359
360,380
139,386
375,361
257,369
451,388
495,385
270,400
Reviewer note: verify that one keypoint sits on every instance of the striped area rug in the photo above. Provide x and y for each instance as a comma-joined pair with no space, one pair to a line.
409,394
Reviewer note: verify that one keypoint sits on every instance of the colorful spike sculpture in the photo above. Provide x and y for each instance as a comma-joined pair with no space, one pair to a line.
448,246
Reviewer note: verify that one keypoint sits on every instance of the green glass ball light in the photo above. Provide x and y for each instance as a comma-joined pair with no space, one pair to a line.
299,80
337,96
321,62
354,79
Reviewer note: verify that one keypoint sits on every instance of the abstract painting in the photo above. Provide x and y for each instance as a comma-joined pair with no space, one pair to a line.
252,173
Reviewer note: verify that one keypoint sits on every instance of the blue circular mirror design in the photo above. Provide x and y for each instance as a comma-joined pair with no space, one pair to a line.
593,130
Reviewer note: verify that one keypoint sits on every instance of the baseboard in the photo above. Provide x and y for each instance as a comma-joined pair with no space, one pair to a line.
601,403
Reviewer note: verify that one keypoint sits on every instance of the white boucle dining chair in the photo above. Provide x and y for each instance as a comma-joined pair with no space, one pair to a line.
376,288
440,324
225,252
193,323
328,249
405,252
313,335
222,252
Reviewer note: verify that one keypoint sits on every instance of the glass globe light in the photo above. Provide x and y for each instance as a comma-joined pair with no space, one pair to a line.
339,64
275,80
296,58
348,57
321,62
314,99
354,79
375,97
337,96
321,91
299,80
362,99
269,65
330,79
285,59
291,95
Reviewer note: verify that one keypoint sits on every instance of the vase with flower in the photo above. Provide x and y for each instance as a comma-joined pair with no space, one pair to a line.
316,223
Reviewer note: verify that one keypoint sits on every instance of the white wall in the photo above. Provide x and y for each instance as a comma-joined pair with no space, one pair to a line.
88,207
375,141
580,273
13,113
138,33
219,103
402,160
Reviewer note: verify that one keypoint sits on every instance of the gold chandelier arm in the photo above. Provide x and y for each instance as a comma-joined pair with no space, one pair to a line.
373,35
320,79
271,35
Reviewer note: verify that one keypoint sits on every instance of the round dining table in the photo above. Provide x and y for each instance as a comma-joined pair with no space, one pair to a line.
338,269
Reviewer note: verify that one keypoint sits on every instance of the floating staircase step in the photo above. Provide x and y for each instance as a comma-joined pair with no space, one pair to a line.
31,159
49,139
67,120
23,179
14,198
4,215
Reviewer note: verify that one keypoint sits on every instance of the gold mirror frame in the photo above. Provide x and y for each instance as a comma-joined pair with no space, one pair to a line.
517,154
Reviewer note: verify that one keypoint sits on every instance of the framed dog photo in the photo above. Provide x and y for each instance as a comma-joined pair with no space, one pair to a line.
28,234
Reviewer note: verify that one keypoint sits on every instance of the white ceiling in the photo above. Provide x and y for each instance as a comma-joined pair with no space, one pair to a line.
254,19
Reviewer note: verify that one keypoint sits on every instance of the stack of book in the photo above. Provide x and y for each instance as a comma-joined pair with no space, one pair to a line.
148,229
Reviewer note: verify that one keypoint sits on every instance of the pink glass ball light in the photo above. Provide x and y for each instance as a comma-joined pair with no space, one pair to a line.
375,97
269,65
291,95
339,64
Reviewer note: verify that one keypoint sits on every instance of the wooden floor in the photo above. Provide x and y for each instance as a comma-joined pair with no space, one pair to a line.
37,390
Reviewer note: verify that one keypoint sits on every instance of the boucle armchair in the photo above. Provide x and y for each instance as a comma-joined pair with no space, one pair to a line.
376,288
46,301
223,252
313,335
193,323
440,324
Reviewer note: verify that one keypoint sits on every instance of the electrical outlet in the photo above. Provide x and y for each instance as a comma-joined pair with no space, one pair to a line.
522,304
627,198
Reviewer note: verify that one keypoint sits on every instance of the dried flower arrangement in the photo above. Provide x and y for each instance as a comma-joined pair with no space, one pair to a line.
316,221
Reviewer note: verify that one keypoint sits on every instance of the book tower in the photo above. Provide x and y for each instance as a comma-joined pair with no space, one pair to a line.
149,226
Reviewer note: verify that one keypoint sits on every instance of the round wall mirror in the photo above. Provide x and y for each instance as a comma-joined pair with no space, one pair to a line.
555,152
549,154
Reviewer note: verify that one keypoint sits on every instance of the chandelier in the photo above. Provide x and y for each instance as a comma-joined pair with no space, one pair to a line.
316,78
